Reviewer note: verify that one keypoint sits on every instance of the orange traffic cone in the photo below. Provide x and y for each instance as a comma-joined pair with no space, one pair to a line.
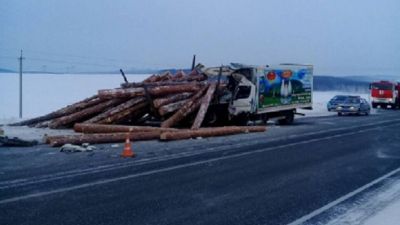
128,149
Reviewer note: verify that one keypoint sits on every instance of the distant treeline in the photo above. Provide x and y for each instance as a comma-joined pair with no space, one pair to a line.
328,83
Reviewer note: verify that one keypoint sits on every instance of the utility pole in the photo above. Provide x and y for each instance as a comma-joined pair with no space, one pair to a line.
20,84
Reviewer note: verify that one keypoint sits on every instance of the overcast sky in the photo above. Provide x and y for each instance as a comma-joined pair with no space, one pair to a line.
339,37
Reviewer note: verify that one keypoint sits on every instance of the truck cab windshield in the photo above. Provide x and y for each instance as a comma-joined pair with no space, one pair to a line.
382,86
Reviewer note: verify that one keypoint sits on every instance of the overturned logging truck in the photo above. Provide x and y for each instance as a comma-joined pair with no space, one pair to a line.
216,98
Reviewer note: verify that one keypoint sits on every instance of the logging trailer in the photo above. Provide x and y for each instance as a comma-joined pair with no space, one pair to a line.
260,92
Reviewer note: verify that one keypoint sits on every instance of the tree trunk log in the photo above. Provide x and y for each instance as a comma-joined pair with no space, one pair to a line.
166,90
164,110
115,110
120,93
209,132
56,141
171,99
205,102
101,128
123,114
88,102
156,91
189,107
66,121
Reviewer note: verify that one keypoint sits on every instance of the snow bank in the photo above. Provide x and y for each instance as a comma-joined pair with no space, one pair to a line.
388,216
377,207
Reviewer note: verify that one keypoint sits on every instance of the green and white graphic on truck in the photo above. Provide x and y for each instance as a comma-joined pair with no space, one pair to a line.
284,86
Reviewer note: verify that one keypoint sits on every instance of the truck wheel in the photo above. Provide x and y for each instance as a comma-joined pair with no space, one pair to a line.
289,117
264,119
339,114
374,105
241,120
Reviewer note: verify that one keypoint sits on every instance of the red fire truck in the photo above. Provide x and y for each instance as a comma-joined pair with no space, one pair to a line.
385,94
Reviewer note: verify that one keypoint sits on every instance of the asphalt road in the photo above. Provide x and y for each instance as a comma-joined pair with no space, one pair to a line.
274,177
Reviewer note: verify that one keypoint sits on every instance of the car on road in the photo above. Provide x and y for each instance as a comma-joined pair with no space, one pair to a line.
333,103
349,105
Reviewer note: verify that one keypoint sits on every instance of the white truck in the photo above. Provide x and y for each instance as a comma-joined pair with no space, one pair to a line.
261,92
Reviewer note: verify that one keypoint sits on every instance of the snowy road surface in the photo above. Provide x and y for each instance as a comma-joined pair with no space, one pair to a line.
276,177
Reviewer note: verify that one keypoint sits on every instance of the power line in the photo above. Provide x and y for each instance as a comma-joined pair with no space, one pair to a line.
48,53
70,62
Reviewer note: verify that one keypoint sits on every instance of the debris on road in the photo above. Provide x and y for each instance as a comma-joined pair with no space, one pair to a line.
85,147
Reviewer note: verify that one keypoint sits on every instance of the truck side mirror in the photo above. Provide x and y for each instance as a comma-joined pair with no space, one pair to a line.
370,86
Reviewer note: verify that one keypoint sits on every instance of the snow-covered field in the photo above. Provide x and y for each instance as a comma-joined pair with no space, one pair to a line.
44,93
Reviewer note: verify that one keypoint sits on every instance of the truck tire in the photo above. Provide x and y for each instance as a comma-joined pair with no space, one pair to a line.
339,114
264,119
289,118
241,120
374,105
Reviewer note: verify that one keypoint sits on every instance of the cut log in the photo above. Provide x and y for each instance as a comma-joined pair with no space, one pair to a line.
156,91
205,102
179,75
190,106
88,102
123,114
66,121
101,128
166,76
170,108
101,138
166,90
117,109
152,78
209,132
154,84
199,77
171,99
120,93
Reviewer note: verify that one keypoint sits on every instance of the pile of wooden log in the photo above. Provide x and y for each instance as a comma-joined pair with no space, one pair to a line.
170,99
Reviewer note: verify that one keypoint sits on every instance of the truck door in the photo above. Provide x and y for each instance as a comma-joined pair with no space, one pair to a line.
243,100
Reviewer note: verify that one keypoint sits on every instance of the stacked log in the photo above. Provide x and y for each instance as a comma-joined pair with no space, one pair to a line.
171,99
84,114
107,115
189,107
